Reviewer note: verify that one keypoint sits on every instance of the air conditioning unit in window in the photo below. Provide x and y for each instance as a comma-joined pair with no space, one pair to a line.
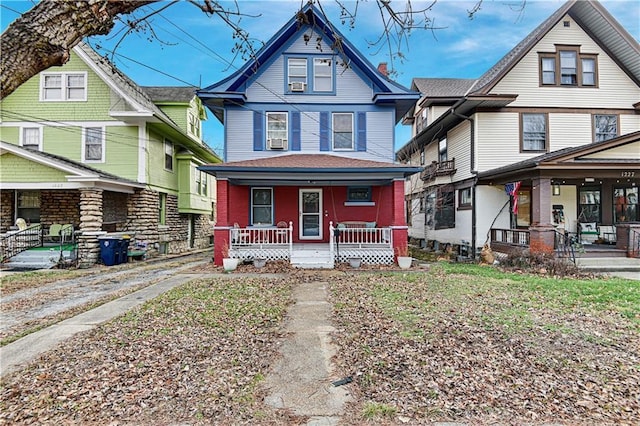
297,86
278,143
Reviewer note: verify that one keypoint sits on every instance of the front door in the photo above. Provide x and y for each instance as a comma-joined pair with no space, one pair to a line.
310,214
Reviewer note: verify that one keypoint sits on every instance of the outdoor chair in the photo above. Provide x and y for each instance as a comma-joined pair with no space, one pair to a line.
608,234
54,233
588,232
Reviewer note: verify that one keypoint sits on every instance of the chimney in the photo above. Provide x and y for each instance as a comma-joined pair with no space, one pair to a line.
382,68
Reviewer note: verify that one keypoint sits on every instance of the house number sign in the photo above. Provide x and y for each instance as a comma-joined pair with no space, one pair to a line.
627,174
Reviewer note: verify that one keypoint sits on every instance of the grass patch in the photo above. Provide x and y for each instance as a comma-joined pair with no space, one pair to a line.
375,410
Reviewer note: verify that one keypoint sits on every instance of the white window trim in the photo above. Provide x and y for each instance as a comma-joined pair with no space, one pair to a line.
353,133
286,130
330,76
193,117
168,143
63,76
84,144
22,128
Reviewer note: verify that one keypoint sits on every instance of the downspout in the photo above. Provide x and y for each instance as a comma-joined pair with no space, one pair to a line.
472,137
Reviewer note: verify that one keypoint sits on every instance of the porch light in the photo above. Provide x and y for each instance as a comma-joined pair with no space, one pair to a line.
556,189
588,179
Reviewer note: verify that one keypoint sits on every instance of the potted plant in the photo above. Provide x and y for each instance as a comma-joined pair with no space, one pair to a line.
404,260
228,263
355,262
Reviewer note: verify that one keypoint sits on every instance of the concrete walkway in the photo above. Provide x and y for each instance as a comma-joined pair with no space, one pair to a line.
301,380
18,354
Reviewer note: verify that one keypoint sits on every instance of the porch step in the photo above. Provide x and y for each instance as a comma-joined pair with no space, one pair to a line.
312,259
36,259
601,250
609,264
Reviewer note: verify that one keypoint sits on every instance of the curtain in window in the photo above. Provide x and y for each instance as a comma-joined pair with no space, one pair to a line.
534,132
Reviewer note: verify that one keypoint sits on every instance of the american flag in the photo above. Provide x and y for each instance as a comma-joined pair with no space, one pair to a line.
512,189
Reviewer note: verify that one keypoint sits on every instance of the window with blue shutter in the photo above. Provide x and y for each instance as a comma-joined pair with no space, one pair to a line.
324,131
258,132
361,137
295,131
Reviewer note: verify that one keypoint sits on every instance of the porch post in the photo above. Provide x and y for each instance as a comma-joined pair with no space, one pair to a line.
541,231
221,230
90,226
398,222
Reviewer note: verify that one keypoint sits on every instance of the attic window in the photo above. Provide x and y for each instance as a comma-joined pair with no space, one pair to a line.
566,24
63,86
568,67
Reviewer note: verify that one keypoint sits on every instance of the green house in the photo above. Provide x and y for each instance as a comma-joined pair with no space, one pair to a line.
83,144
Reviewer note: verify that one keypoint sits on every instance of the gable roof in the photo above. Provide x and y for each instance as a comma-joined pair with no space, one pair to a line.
442,87
572,158
233,87
595,20
75,172
140,99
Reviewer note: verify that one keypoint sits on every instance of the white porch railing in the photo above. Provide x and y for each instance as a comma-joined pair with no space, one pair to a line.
271,243
372,245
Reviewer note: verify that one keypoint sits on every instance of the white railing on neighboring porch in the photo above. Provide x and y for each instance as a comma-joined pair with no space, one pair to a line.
372,245
271,243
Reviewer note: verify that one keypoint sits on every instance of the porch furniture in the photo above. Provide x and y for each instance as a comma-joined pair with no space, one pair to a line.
588,232
608,234
54,233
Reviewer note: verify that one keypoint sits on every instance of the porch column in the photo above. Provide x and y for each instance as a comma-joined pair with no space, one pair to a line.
541,231
90,226
221,230
398,221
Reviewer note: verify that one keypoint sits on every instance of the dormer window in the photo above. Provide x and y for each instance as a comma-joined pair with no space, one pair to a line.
568,67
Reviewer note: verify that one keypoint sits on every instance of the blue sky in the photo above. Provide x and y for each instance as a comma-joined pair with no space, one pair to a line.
197,49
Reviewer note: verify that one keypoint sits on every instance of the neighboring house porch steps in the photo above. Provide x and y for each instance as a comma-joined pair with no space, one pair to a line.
41,258
610,264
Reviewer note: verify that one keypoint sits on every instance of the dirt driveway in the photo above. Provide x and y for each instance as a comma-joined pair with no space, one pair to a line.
29,304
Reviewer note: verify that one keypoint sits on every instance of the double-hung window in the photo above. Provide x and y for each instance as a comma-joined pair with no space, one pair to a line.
297,74
168,154
261,206
63,86
343,139
93,144
277,130
322,75
194,124
442,150
568,67
533,132
31,138
605,126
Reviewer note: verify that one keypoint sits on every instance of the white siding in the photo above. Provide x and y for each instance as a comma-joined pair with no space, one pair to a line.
490,203
416,229
497,140
615,89
625,152
459,141
629,124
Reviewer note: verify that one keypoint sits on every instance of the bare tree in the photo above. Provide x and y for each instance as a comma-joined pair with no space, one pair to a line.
44,36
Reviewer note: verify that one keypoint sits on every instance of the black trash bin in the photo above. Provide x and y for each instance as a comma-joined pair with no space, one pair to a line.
109,250
124,249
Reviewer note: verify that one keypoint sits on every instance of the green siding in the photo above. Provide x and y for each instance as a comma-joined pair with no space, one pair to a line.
18,169
63,141
177,113
155,164
121,152
25,103
10,134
